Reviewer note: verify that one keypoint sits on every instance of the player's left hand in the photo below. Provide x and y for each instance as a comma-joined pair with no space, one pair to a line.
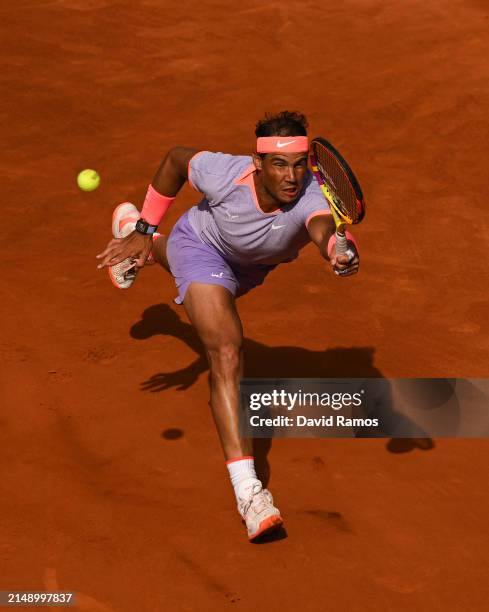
134,245
346,265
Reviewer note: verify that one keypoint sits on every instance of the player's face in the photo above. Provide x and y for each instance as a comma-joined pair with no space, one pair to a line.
282,175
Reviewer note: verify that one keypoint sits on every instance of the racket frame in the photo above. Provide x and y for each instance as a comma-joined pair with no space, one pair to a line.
341,219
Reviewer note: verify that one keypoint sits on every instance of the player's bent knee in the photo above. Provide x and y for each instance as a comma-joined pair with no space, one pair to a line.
224,358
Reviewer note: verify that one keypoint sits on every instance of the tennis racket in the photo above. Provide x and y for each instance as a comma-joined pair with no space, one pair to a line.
339,187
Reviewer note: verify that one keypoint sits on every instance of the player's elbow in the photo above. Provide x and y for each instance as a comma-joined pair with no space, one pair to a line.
321,228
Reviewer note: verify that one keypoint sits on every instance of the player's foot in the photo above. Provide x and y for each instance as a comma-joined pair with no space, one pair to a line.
124,220
258,511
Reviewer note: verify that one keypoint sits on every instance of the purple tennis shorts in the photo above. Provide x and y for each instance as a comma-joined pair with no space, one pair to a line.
191,260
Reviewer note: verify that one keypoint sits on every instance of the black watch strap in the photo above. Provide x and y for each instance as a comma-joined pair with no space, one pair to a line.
143,227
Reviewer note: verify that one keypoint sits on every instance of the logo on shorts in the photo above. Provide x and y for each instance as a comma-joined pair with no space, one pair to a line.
230,216
220,275
277,226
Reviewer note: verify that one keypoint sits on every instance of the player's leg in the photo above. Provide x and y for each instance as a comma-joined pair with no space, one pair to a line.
159,251
212,311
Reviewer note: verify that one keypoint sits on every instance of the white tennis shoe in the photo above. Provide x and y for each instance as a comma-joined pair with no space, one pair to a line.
258,511
124,220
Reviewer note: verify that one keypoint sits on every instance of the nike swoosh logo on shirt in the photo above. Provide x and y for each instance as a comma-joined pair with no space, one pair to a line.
277,226
284,144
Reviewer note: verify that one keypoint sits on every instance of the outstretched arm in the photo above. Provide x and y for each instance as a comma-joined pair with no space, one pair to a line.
321,228
168,180
173,171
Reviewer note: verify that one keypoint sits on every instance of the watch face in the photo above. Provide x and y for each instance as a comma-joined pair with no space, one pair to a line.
143,227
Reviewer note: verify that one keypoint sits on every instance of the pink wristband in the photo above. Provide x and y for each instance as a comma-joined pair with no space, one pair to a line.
155,206
332,242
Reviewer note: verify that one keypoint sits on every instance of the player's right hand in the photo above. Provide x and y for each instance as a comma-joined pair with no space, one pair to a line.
346,265
135,245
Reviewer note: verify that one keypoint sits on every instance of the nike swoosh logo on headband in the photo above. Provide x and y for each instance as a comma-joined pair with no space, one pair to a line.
284,144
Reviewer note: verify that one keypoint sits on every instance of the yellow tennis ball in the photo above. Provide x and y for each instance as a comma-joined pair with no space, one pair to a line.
88,180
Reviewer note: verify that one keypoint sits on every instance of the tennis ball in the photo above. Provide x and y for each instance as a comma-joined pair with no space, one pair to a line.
88,180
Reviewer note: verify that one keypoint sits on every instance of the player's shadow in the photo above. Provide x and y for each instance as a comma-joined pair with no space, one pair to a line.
262,361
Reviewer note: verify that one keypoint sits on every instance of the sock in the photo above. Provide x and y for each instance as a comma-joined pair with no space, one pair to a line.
151,257
242,474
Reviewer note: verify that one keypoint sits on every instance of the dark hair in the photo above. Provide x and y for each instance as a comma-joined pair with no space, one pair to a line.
286,123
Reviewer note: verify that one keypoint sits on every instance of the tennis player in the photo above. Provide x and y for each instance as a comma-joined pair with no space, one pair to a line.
257,212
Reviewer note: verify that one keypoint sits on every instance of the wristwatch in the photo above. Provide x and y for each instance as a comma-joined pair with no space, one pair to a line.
143,227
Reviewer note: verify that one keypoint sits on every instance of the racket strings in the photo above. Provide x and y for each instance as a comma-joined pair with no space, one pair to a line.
338,182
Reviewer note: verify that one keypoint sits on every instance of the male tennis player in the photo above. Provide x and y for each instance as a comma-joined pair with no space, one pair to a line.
257,212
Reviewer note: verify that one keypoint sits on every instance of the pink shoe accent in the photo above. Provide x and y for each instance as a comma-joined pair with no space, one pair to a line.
267,525
125,221
112,279
119,274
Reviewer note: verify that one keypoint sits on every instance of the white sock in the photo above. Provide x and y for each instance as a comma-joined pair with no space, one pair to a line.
243,475
151,257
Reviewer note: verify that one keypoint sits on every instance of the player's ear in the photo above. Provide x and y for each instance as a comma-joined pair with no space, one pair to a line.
258,161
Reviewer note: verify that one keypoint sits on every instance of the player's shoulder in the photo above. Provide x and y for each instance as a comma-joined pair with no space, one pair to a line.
220,164
215,174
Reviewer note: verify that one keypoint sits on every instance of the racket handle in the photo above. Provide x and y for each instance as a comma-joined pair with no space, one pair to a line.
341,244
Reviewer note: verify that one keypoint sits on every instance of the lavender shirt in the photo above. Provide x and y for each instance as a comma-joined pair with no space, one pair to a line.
229,217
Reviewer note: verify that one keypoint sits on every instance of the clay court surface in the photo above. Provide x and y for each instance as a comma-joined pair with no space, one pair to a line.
113,483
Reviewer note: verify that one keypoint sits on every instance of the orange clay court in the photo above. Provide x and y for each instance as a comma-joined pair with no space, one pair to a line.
113,482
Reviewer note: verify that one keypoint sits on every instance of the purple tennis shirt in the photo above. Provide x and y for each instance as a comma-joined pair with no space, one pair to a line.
230,219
